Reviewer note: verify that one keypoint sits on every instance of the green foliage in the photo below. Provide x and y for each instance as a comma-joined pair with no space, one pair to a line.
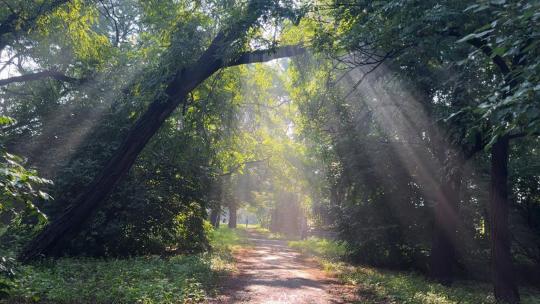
248,136
382,286
18,185
18,188
511,32
426,39
148,279
19,217
325,248
124,52
177,279
401,287
70,28
224,240
7,272
395,89
164,211
192,231
362,171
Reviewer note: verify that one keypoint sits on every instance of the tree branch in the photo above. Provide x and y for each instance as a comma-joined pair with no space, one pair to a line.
497,60
40,75
268,55
487,50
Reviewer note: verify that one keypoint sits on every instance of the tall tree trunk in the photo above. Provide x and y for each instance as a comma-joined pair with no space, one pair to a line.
215,213
232,214
215,216
505,287
504,284
443,250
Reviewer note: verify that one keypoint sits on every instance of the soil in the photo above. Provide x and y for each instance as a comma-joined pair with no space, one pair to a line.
270,273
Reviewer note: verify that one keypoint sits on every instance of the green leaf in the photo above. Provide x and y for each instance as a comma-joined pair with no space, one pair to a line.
4,120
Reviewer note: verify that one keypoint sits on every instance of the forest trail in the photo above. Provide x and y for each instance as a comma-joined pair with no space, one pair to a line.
270,272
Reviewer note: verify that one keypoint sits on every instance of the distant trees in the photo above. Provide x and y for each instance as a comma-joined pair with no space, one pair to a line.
288,216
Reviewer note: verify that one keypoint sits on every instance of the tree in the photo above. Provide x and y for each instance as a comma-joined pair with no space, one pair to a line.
185,79
375,34
509,32
378,39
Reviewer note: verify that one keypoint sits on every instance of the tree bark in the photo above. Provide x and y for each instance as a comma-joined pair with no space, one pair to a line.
232,214
504,283
215,213
39,76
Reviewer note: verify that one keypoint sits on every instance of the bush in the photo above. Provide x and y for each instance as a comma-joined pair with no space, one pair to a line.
20,219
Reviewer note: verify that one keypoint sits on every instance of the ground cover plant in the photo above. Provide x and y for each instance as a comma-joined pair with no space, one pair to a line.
146,279
375,285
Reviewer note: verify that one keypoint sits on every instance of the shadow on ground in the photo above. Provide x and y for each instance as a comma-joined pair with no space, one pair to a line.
270,272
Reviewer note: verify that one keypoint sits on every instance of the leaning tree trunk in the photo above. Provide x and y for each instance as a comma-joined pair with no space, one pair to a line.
69,222
184,81
443,251
505,287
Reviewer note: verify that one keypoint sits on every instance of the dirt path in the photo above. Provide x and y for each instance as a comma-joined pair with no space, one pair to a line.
270,272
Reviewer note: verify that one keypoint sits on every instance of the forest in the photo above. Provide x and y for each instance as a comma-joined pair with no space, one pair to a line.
270,151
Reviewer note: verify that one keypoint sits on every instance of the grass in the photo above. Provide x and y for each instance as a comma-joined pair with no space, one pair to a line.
225,240
264,231
145,280
382,286
323,248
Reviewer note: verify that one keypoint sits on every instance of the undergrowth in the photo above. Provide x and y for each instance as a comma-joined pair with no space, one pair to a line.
383,286
146,280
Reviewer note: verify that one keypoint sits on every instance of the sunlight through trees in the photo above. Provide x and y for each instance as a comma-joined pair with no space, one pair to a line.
402,134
